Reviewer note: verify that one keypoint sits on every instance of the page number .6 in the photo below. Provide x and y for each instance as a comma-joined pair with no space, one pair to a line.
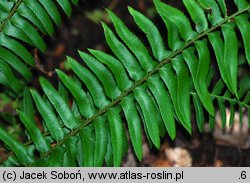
243,175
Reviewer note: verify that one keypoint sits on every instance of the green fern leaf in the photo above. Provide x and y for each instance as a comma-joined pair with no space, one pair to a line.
197,15
115,125
214,10
152,34
103,74
223,7
35,134
86,135
133,42
123,54
101,140
51,8
146,104
122,79
134,123
48,116
178,18
148,93
242,23
59,104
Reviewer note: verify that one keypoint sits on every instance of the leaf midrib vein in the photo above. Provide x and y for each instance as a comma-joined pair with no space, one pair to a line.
11,14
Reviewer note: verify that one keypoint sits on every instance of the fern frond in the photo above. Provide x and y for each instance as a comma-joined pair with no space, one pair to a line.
149,91
24,22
